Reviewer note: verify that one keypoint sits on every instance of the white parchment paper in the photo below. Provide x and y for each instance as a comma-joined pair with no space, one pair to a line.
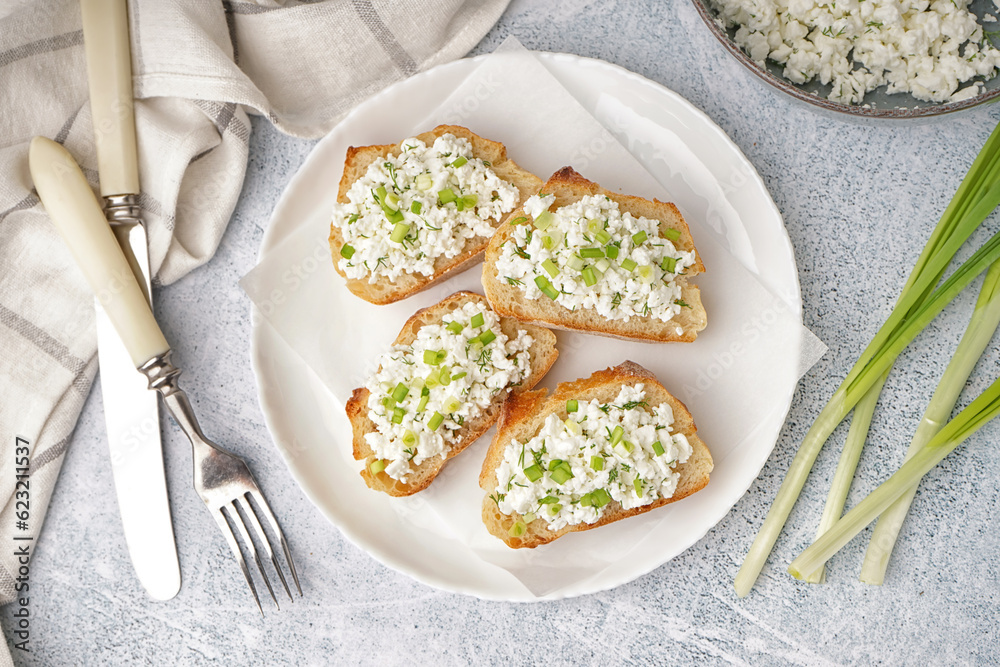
734,378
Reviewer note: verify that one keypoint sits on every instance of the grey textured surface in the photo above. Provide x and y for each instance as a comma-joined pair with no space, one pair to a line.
858,201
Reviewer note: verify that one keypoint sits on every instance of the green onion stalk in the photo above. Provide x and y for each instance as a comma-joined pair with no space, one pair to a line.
968,421
982,327
977,196
865,409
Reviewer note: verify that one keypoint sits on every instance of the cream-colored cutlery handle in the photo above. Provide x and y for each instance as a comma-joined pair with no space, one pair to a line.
109,70
71,204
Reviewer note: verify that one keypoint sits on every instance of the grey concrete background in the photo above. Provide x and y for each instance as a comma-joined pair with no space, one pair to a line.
858,199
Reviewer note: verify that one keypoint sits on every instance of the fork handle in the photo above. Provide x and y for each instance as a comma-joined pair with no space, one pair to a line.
71,204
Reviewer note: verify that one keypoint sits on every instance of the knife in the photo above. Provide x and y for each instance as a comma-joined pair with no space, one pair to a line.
131,411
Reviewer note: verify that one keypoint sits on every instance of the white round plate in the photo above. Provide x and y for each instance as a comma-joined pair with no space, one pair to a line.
308,423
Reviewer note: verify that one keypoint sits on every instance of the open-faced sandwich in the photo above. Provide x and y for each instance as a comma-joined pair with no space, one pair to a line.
579,257
440,387
408,215
595,451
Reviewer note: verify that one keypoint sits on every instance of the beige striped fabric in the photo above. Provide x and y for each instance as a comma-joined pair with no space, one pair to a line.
199,66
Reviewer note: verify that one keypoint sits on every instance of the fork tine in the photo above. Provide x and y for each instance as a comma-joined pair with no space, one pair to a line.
238,520
220,518
262,504
251,514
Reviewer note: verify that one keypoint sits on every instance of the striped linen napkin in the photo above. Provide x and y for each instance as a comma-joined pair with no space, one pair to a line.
198,68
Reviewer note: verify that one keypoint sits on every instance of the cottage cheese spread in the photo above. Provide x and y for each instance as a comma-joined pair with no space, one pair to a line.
424,392
591,255
927,48
410,209
571,471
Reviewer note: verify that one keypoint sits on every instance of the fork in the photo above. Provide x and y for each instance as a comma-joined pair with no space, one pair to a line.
222,479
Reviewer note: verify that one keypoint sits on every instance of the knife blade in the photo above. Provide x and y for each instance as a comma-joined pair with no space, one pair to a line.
131,410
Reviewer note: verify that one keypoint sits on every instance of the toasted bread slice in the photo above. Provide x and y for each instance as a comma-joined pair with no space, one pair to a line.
356,165
569,187
523,416
543,354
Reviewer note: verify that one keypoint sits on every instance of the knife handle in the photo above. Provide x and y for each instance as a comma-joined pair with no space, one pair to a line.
71,204
109,70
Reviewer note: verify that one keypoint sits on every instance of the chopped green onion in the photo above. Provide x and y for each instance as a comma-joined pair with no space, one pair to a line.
459,376
554,509
602,237
548,500
392,201
572,405
573,427
616,435
591,253
409,438
602,265
550,268
346,251
555,463
436,419
399,232
575,262
546,287
548,242
597,463
594,226
672,234
376,466
646,273
400,392
455,327
518,529
388,401
397,415
422,403
460,161
477,320
424,181
533,473
445,196
586,500
601,497
393,217
561,475
658,448
380,195
544,220
611,251
529,517
470,201
444,376
487,337
416,207
638,486
451,404
433,378
589,277
627,445
434,357
669,264
639,237
629,264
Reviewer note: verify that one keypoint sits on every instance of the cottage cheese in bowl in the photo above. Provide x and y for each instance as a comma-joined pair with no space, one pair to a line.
867,56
